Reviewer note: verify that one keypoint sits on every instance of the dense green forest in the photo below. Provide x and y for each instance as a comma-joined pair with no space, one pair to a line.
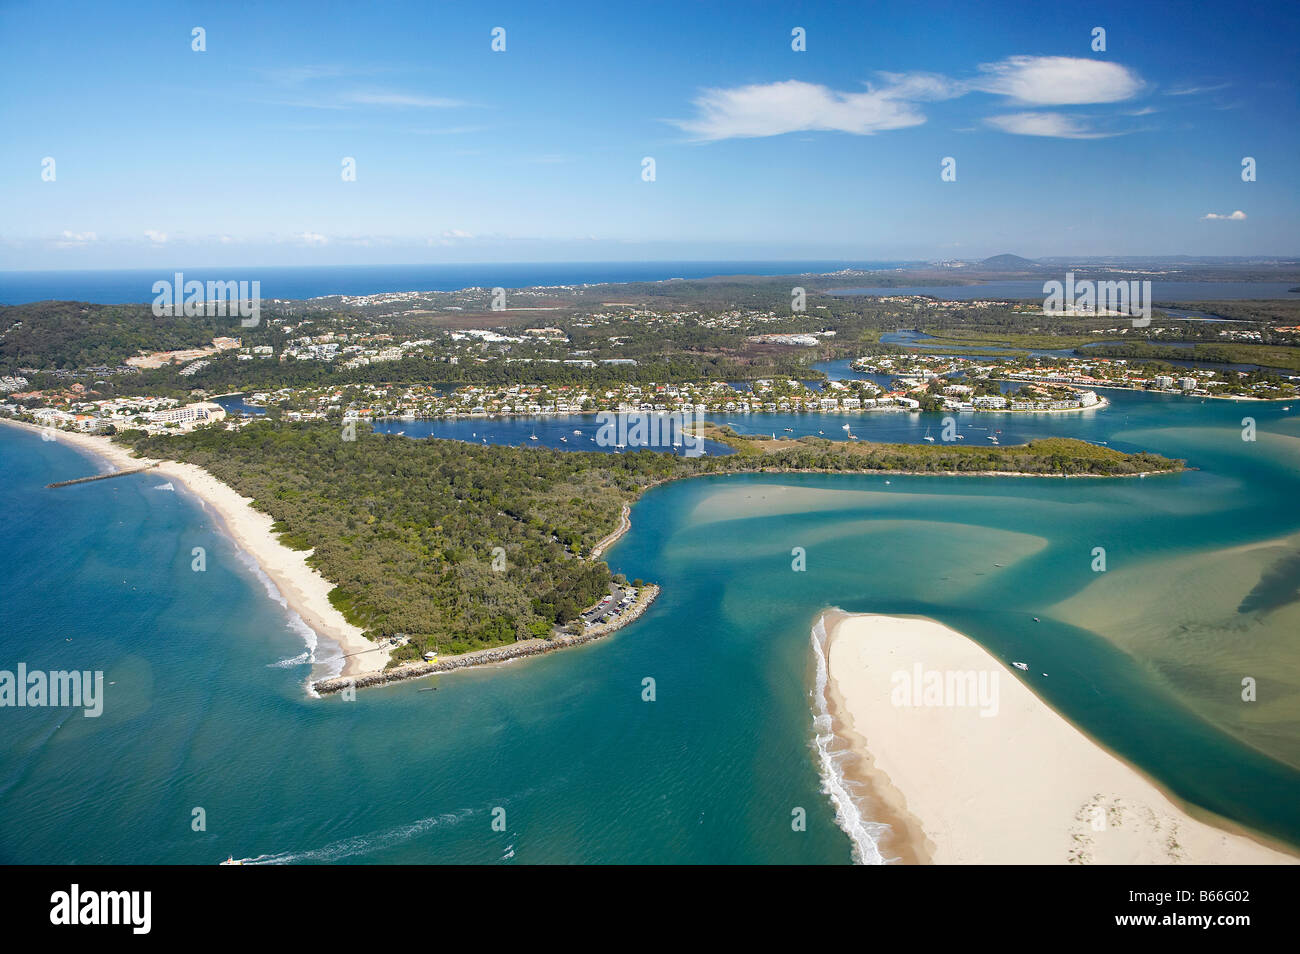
406,528
68,334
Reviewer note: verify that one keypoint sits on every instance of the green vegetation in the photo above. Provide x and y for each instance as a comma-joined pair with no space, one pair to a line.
406,529
65,335
1056,456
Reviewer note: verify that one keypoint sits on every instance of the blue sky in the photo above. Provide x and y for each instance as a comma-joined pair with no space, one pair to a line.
164,156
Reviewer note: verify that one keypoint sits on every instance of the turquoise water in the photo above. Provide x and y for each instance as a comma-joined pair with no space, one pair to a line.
208,708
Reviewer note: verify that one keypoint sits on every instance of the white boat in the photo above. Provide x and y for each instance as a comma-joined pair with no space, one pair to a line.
927,436
231,861
564,440
532,437
1023,667
579,433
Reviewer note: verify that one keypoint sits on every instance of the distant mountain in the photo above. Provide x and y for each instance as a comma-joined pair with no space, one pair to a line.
1008,263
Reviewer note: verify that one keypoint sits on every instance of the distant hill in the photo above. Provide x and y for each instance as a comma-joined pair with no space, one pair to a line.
1008,263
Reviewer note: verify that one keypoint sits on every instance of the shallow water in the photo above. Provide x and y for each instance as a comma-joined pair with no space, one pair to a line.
1147,657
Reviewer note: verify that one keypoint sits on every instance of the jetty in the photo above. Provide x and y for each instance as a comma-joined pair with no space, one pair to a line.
116,473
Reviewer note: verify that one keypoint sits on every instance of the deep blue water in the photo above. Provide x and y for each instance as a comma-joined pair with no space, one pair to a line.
136,285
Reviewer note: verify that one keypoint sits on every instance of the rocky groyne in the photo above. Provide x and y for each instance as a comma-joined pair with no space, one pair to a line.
487,657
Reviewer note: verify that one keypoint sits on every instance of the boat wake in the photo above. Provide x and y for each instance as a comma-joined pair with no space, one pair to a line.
831,756
301,659
362,845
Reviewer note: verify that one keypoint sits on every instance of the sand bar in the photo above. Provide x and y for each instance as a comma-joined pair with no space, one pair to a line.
303,588
1018,785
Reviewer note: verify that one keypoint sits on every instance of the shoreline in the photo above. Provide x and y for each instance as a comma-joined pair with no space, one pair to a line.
303,589
624,525
493,655
1020,786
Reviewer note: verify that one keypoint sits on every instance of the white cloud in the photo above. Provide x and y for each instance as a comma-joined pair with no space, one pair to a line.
1058,80
773,109
311,238
158,238
1238,216
75,239
1055,125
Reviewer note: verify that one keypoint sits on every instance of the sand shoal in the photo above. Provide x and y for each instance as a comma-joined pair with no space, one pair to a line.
1019,785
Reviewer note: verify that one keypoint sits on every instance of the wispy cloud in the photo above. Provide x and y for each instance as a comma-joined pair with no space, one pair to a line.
1194,90
75,239
773,109
1238,216
158,238
1055,125
391,98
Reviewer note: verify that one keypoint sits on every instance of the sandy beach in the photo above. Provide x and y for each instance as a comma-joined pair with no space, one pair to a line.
303,588
968,766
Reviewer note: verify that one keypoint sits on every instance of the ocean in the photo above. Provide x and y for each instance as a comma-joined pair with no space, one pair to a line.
207,714
121,286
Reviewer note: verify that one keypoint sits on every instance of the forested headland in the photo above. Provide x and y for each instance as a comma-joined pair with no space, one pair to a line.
408,530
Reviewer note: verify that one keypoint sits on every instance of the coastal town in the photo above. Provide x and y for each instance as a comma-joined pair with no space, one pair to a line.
905,381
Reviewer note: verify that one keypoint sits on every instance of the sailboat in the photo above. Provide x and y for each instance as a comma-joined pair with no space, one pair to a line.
927,436
532,437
